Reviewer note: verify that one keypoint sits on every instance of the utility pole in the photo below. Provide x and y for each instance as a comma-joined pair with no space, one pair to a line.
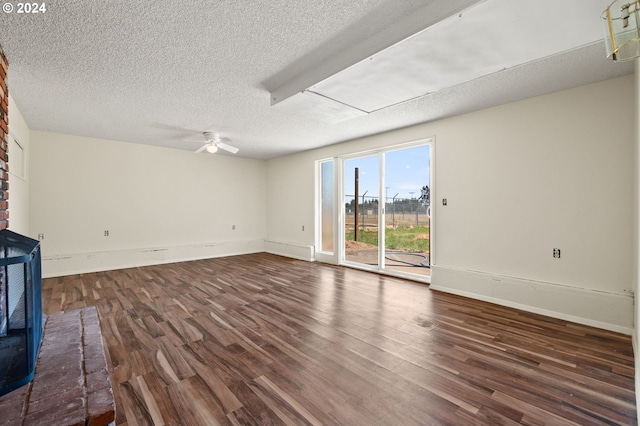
355,212
414,206
393,211
364,222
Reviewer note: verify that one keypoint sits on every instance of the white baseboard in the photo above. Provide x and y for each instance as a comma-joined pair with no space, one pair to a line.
293,250
70,264
606,310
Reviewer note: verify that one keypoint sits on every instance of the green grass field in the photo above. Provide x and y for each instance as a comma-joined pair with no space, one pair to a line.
414,240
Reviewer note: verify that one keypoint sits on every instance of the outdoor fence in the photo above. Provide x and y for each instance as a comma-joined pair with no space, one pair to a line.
400,212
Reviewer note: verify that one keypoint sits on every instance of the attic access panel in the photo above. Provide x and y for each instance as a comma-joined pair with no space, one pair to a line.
484,39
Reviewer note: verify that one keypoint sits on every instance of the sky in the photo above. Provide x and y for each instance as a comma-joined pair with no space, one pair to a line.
406,171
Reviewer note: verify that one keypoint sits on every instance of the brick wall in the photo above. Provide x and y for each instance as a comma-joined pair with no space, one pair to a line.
4,142
4,177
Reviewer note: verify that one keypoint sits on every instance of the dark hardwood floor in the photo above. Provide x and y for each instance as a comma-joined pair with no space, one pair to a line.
262,339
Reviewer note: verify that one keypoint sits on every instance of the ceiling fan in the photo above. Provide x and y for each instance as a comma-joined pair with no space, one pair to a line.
213,142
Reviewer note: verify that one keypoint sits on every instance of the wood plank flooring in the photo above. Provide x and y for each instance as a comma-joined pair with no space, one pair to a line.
262,339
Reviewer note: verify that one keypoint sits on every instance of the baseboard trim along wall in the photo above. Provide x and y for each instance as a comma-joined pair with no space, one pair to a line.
71,264
606,310
293,250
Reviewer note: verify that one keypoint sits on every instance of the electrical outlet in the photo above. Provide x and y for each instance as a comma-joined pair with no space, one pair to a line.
40,237
556,253
106,233
444,201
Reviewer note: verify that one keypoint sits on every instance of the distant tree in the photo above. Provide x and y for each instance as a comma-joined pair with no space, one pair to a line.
350,206
425,196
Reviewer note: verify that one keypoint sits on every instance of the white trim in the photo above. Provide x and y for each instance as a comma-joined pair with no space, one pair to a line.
606,310
388,148
317,203
382,209
80,263
290,249
329,258
433,191
424,279
338,201
339,250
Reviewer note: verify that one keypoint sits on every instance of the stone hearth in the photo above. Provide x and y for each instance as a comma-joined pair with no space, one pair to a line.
71,384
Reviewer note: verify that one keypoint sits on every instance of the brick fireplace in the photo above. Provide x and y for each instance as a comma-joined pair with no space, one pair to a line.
4,175
20,276
4,142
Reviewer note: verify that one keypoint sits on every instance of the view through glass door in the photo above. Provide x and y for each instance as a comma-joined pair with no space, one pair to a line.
407,206
362,194
393,234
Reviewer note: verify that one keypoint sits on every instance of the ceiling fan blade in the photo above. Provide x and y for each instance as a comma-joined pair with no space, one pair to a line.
202,148
231,149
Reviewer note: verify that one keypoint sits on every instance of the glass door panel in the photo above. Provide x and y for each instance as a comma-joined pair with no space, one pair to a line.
327,211
361,200
407,205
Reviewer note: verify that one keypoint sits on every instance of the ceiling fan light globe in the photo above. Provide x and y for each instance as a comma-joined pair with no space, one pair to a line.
212,149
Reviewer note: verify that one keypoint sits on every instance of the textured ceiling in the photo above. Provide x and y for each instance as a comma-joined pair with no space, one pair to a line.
156,72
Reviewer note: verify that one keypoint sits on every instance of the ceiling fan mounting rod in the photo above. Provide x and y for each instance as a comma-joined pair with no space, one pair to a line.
210,136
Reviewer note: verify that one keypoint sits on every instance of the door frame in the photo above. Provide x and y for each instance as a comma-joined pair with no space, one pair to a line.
338,256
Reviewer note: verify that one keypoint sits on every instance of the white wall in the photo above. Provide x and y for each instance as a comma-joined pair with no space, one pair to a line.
159,205
291,206
18,171
521,179
553,171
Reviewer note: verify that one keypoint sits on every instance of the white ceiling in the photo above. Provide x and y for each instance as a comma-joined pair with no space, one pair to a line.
158,72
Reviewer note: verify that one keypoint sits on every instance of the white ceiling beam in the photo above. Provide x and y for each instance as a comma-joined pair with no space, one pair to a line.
434,12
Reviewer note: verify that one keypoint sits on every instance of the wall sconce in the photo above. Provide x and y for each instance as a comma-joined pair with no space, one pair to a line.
622,34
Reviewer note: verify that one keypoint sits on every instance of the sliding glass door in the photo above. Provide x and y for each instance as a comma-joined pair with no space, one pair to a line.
387,221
